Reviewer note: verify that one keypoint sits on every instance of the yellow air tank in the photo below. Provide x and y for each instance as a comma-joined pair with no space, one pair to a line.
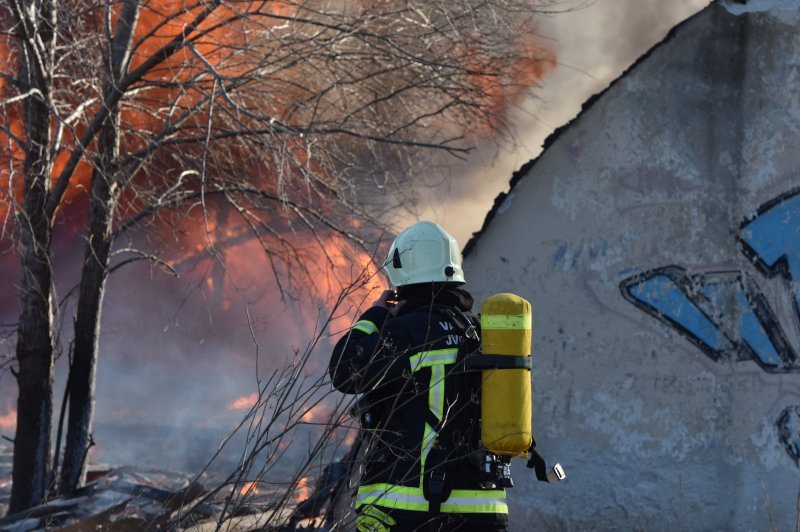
506,393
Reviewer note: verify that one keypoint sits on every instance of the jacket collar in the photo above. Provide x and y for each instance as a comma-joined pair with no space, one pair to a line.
426,295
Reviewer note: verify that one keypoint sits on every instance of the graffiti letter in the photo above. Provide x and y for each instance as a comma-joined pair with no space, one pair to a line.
748,318
789,430
772,239
718,312
664,294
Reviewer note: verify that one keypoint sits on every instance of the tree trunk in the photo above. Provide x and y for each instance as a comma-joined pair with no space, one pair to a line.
103,201
31,475
81,381
32,452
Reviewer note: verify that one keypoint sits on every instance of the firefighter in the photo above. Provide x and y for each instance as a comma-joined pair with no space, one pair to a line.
419,471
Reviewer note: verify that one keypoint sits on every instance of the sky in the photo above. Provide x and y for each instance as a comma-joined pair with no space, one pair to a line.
594,42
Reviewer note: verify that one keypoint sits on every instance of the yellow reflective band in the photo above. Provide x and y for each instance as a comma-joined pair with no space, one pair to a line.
427,444
365,326
406,498
436,392
425,359
505,321
388,496
436,406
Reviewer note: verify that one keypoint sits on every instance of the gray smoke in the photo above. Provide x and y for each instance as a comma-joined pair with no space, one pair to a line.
594,44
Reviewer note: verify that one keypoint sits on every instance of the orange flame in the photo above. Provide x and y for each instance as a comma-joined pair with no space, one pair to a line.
319,412
219,248
8,421
512,82
302,490
330,260
145,113
227,30
246,401
249,488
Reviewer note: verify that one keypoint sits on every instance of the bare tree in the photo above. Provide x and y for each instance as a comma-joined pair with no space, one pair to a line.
290,115
292,406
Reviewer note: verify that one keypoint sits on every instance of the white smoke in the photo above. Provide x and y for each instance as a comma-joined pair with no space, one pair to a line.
594,45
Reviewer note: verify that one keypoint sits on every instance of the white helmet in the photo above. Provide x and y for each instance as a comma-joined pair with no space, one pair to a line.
424,253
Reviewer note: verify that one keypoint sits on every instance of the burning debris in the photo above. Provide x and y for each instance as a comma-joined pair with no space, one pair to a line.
125,498
132,498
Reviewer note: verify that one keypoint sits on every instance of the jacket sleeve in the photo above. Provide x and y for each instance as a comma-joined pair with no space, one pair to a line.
365,355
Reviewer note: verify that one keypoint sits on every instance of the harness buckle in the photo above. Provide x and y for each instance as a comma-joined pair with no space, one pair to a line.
436,485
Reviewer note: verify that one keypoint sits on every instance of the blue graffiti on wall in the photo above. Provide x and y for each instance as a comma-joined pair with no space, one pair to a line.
772,239
692,304
725,313
789,430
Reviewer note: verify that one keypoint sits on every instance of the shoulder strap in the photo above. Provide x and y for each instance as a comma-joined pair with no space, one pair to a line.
469,323
457,437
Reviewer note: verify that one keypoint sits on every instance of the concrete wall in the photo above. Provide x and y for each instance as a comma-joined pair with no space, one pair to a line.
658,238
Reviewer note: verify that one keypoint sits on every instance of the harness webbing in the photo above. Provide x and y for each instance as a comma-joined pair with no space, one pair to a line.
436,360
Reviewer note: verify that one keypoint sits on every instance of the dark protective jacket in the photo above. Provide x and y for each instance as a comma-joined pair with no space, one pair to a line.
403,366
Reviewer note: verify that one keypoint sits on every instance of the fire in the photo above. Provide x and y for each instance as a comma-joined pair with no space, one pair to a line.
320,412
232,268
249,488
8,421
217,45
217,251
246,401
302,490
146,111
510,87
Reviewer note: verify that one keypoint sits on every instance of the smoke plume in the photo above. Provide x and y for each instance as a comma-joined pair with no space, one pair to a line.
594,44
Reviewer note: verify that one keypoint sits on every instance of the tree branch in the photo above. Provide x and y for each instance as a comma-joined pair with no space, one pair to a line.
62,182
